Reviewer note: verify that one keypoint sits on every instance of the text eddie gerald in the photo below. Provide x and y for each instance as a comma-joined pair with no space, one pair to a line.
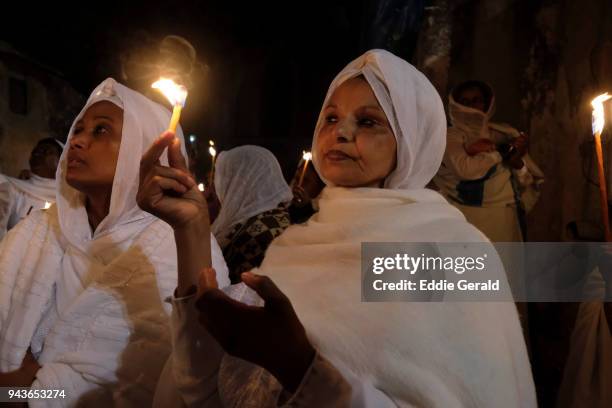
416,267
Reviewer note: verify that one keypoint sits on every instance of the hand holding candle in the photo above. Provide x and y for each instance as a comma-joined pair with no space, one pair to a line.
598,125
176,95
306,156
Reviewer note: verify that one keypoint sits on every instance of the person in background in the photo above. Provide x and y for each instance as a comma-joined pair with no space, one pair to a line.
486,171
34,190
303,205
254,198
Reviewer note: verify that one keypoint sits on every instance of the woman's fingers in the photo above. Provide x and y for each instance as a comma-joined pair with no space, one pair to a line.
179,175
175,156
207,280
265,288
152,155
166,183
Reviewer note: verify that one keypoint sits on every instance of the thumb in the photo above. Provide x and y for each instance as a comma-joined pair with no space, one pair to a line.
207,280
175,156
266,289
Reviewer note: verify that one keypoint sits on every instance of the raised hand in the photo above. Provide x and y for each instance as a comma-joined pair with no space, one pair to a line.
169,193
271,336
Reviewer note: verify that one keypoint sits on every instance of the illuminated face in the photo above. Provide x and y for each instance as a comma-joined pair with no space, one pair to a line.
94,148
355,144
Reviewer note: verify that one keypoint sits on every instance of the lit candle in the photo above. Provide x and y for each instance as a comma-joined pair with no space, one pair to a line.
306,156
213,153
201,186
598,121
47,205
176,95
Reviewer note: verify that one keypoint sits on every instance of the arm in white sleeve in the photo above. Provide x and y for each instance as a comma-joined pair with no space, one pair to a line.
465,166
195,359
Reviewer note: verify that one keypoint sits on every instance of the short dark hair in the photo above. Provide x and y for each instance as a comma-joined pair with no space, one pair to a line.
48,141
485,89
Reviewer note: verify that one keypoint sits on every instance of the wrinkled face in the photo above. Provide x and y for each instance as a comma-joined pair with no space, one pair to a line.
473,98
355,145
94,148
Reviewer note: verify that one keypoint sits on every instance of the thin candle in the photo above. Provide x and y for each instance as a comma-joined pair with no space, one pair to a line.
306,156
598,121
176,95
213,153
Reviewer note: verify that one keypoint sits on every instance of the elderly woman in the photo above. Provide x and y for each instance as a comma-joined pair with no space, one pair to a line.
379,140
254,197
82,284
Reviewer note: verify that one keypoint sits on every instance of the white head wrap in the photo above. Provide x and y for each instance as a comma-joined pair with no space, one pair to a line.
414,110
473,121
143,121
248,181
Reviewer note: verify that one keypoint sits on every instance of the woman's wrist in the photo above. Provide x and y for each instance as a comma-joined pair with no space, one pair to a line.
292,373
193,252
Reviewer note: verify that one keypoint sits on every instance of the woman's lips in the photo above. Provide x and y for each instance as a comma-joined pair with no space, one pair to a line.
337,156
74,162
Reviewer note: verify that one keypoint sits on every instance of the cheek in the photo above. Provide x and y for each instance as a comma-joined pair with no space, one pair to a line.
378,152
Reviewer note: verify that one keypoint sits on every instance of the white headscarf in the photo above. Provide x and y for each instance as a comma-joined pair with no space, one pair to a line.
143,121
248,181
474,122
413,108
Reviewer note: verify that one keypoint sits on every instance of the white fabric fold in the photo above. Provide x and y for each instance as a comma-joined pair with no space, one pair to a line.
248,181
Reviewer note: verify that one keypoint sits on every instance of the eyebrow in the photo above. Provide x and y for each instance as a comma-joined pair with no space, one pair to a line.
103,117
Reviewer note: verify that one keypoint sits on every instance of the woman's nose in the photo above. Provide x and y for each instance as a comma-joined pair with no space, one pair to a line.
345,132
78,141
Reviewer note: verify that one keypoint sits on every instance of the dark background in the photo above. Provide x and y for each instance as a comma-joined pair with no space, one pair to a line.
263,67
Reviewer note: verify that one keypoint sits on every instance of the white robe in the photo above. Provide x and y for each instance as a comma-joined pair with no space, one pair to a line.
18,198
418,354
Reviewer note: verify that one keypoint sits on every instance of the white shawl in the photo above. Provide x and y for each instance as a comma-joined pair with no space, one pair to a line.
248,181
418,354
90,304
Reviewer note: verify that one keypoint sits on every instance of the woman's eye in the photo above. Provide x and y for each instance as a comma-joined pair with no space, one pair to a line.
366,122
98,130
331,119
76,131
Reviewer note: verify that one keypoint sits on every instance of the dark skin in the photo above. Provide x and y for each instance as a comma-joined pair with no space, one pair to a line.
171,194
92,157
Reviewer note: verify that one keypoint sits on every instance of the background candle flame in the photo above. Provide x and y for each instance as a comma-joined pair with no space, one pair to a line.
212,151
598,112
306,155
175,93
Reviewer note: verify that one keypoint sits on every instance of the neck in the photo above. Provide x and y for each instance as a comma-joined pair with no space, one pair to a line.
97,206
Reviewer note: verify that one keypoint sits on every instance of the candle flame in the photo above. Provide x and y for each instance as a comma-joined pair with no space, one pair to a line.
175,93
212,151
598,112
211,143
306,155
47,205
201,186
